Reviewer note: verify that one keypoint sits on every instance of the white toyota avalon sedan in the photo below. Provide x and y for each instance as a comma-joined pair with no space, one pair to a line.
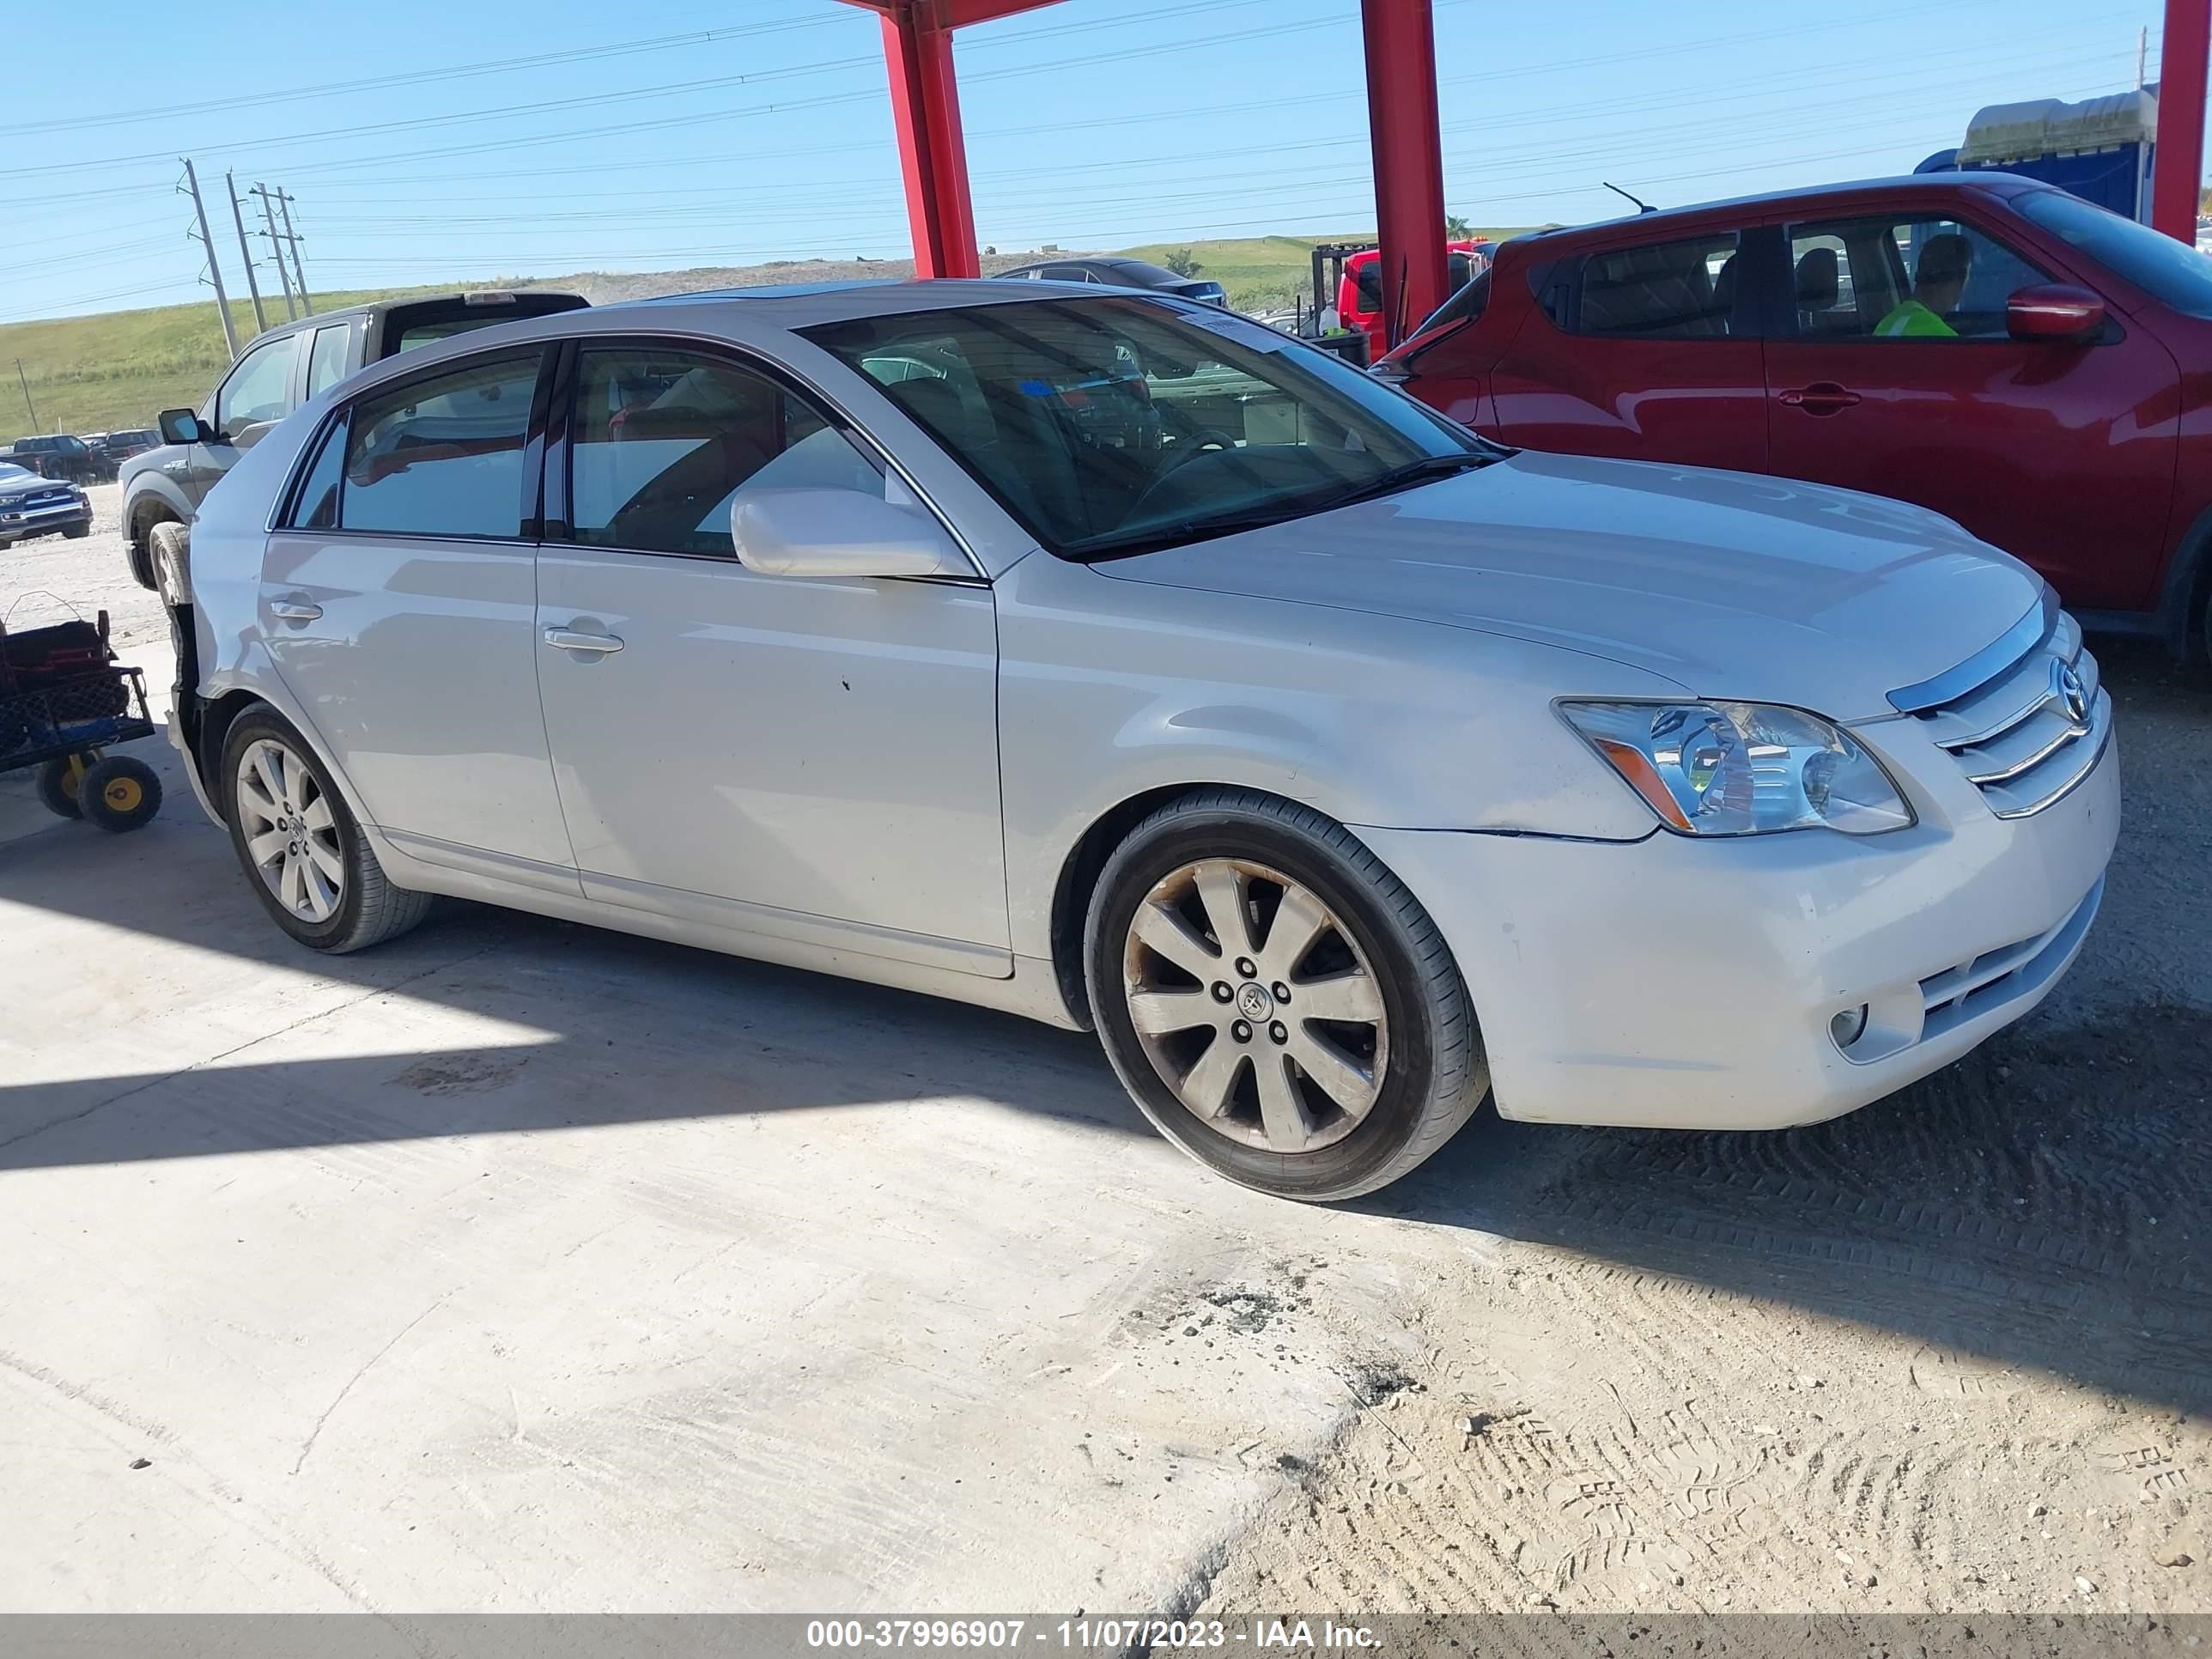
1113,660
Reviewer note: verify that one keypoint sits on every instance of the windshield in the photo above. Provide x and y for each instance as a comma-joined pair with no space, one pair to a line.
2165,270
1115,424
12,474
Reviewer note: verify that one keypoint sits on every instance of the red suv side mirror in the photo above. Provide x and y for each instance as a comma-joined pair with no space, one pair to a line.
2056,311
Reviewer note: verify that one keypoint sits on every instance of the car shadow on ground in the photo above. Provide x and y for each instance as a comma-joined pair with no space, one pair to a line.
2040,1205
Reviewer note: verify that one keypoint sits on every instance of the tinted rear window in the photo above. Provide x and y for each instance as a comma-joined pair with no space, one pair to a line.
442,456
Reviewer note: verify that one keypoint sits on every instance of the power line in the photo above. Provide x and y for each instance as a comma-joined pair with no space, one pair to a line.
414,77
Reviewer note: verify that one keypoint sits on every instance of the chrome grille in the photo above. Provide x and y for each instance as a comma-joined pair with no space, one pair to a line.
2027,731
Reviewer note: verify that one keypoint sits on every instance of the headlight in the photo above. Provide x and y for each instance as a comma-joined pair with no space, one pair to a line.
1741,769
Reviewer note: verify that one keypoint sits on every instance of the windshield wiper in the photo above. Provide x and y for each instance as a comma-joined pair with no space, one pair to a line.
1183,532
1401,477
1281,511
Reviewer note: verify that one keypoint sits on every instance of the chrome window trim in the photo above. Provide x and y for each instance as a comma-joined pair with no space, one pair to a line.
2000,654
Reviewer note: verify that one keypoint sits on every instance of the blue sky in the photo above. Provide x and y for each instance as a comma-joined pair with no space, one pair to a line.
661,134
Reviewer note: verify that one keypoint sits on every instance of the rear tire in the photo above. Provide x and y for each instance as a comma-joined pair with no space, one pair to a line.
119,794
58,787
302,852
1300,1104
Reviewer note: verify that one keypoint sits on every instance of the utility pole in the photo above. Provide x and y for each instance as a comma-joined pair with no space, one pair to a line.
2143,53
283,277
214,266
25,380
284,202
245,252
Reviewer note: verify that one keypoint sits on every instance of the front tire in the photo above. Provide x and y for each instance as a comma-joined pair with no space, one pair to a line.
1279,1004
139,544
119,794
302,851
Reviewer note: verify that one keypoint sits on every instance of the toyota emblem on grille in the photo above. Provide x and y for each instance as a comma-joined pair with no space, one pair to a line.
2073,695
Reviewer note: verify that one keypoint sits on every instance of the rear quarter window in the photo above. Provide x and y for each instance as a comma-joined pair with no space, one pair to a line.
441,456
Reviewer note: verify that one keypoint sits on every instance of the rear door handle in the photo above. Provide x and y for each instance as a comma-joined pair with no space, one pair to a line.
1821,398
295,609
596,645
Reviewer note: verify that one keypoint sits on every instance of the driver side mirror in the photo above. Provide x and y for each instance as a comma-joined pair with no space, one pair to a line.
182,426
839,533
2058,313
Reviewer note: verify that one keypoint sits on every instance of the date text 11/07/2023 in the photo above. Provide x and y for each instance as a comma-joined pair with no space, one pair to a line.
1107,1635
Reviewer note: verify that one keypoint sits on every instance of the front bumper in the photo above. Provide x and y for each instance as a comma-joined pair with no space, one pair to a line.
1674,983
19,524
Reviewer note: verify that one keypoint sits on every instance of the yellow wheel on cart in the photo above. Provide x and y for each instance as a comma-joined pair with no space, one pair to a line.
58,784
119,794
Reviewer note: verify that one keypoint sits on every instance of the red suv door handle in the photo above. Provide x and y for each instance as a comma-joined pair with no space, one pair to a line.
1821,398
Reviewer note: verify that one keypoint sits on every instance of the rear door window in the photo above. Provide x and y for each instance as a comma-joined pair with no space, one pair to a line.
441,456
260,388
1676,290
326,359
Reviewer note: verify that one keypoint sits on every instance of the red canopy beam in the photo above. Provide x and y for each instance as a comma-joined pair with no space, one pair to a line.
2180,168
1409,164
925,109
1402,95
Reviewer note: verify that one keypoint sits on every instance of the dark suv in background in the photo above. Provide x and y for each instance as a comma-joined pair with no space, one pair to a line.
276,375
1989,346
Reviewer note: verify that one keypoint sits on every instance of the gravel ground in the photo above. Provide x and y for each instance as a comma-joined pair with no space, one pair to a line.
1952,1352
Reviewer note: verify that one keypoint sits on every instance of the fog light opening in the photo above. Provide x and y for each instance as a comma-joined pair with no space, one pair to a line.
1849,1026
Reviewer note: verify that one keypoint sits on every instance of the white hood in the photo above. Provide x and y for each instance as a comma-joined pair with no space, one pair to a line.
1730,584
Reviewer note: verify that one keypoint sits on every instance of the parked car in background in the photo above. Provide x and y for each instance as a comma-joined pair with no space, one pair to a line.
278,372
33,505
1995,349
1723,802
119,447
1359,291
56,455
1115,271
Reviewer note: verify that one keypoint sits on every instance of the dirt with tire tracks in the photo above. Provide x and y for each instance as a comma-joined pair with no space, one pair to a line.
1954,1351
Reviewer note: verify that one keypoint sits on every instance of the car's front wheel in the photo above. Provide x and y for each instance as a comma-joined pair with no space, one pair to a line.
1278,1003
309,864
138,543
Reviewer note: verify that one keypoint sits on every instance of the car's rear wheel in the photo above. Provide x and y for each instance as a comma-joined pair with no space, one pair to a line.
1278,1002
302,851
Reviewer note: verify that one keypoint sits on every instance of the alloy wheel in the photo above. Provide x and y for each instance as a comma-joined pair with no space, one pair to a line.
1256,1005
291,833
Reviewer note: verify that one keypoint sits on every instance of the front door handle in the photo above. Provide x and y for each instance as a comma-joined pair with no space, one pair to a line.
1821,398
595,645
295,609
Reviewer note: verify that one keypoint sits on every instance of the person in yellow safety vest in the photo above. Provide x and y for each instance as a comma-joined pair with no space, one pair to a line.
1937,282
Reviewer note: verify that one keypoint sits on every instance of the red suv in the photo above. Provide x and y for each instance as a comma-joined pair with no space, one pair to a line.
2034,367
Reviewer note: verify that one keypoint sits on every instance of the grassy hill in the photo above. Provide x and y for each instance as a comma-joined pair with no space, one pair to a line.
120,367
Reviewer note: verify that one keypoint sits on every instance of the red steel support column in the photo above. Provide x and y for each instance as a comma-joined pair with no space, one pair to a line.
925,107
2179,166
1409,164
